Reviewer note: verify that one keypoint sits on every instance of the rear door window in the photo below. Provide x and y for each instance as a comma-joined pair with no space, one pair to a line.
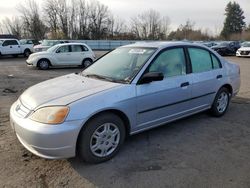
200,59
77,48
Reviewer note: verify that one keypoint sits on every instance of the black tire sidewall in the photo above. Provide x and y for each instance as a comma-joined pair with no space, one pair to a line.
27,53
214,109
84,62
83,143
39,66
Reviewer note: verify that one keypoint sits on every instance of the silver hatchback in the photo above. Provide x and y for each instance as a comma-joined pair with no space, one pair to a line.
129,90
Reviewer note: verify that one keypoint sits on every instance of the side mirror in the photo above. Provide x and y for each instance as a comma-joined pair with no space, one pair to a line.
151,77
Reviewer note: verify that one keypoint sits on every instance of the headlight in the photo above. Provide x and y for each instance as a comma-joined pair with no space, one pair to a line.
51,114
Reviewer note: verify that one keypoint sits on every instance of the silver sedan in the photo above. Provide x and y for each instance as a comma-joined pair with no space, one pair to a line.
129,90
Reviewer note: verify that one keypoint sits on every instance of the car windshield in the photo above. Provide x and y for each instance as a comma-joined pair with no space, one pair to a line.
22,42
1,41
246,44
52,49
49,43
120,65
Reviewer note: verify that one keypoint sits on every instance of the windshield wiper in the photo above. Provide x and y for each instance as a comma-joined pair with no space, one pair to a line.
104,78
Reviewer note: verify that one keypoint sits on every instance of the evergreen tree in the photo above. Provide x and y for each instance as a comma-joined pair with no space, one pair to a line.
234,22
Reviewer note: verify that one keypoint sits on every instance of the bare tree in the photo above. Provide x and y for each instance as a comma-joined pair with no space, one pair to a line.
150,25
73,20
98,20
32,23
50,10
116,27
83,19
13,26
164,28
1,28
63,14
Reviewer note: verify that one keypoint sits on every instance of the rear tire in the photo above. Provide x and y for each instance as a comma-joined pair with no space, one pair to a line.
27,53
101,138
221,102
86,63
43,64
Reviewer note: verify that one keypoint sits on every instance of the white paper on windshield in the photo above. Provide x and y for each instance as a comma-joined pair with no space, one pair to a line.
137,51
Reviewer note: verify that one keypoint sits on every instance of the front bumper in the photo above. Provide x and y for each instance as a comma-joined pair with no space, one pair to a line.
240,54
29,62
46,141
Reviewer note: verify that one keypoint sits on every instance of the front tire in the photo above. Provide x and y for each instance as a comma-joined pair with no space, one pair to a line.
221,102
101,139
43,64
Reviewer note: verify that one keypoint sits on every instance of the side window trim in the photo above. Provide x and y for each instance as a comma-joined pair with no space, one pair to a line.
211,60
188,61
220,65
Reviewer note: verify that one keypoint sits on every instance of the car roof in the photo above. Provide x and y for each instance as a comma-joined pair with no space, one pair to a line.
161,45
71,43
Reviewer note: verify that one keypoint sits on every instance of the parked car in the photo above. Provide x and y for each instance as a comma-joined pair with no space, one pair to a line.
46,44
129,90
227,48
14,48
209,44
67,54
29,43
244,50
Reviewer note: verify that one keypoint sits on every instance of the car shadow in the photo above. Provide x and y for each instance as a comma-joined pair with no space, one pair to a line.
7,57
147,158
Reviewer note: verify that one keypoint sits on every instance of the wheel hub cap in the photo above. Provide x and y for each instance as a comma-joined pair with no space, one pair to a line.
105,140
222,102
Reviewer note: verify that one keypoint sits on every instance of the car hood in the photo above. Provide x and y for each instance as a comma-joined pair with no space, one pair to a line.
41,46
245,48
63,90
36,54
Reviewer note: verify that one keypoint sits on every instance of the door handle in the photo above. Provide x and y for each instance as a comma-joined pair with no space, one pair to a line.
185,84
219,76
10,46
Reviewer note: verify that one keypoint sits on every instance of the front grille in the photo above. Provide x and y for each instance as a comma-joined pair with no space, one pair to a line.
244,52
22,110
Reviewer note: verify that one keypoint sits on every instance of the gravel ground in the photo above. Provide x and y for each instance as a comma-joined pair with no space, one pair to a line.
199,151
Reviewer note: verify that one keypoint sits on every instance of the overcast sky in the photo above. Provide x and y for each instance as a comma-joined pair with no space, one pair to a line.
205,13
